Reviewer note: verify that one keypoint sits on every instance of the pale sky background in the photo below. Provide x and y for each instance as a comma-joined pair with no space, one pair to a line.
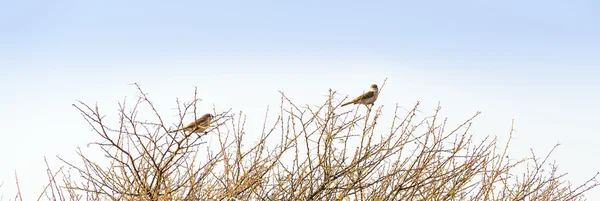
536,62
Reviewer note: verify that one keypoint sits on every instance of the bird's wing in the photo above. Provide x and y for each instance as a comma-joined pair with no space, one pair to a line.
196,123
367,95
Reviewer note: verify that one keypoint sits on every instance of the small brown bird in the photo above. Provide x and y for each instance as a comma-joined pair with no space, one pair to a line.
198,126
368,98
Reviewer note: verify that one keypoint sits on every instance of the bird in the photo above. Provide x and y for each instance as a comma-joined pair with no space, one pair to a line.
198,126
368,98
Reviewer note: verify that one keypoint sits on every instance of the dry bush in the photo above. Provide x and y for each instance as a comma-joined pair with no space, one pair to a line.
306,153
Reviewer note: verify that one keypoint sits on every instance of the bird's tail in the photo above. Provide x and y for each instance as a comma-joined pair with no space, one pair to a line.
172,131
348,103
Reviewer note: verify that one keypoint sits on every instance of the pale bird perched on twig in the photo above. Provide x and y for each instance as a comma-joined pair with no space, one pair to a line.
198,126
368,98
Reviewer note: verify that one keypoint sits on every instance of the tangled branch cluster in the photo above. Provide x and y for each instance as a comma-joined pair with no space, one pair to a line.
307,153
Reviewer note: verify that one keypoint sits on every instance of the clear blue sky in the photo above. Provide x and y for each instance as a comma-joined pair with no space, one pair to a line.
533,61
